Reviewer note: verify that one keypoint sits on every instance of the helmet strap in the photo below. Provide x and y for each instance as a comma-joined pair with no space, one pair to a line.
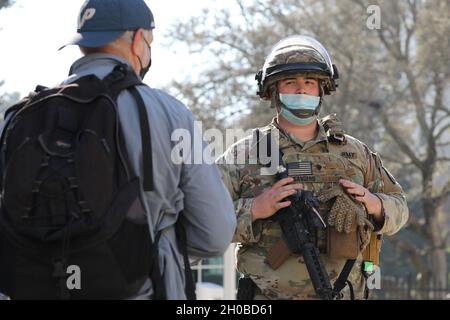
321,93
274,97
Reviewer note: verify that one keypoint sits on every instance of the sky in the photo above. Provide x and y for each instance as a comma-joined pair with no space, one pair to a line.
31,32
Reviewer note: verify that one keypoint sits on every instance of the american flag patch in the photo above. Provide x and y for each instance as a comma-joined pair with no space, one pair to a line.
299,168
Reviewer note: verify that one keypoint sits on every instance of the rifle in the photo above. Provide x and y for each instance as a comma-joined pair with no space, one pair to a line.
298,223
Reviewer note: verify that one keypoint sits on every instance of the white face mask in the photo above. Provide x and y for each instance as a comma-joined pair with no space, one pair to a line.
299,109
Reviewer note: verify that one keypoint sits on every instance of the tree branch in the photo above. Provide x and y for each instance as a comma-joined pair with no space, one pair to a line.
404,146
396,160
413,7
438,86
420,110
416,255
440,132
444,193
404,61
244,13
442,119
443,109
443,144
388,46
409,33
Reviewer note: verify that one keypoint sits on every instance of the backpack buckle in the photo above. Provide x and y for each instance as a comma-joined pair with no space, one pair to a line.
119,72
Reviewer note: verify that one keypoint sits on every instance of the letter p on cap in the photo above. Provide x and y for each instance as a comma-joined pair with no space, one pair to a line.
88,14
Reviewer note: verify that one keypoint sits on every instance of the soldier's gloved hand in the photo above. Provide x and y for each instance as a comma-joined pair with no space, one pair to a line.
270,201
346,215
362,195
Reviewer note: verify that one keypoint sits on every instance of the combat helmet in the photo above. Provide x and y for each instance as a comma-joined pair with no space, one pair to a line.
293,55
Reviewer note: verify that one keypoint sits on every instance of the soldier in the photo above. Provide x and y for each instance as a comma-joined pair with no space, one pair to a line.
359,200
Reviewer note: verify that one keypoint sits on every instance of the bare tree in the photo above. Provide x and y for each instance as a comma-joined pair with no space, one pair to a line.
415,38
393,92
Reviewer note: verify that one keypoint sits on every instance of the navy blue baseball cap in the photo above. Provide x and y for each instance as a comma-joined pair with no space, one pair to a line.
103,21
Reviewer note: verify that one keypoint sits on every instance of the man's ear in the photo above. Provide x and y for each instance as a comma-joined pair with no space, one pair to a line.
136,44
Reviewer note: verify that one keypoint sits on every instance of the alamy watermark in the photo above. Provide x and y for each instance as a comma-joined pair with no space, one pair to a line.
206,147
373,21
73,281
374,279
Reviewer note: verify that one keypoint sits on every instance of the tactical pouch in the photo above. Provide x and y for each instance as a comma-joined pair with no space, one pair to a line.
349,230
342,245
372,251
365,232
278,254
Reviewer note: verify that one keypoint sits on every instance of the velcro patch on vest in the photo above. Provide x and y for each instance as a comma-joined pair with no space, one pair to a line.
348,155
300,168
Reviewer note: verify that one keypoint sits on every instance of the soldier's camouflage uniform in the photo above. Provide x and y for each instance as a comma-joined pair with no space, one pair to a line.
350,159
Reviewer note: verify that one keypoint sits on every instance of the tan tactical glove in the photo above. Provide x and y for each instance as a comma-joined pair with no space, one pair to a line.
345,215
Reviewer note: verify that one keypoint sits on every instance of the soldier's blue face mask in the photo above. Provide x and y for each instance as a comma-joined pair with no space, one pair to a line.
299,109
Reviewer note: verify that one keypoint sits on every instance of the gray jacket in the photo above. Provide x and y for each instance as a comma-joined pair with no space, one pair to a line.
197,189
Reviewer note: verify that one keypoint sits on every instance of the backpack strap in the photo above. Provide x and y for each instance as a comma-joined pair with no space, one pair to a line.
155,271
146,141
180,232
122,78
159,289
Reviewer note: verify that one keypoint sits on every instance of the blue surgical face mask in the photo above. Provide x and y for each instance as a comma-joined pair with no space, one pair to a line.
299,109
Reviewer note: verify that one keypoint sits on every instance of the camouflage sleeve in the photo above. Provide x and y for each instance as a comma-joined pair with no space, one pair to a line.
381,182
246,230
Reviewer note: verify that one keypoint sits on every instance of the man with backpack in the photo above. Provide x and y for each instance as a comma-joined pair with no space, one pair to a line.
93,203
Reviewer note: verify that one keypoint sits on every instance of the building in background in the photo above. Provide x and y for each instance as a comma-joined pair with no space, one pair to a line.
216,278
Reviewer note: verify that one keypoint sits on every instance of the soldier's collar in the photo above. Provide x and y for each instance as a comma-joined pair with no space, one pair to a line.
288,139
334,129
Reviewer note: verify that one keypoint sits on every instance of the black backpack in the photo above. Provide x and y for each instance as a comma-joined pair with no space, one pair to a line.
72,224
